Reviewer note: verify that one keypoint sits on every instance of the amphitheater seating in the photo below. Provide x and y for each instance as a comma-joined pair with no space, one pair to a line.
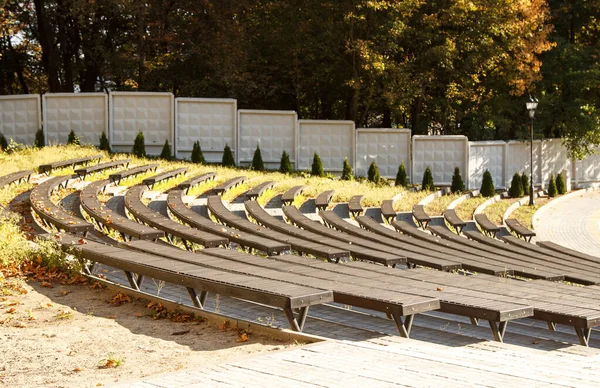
85,171
48,167
151,181
454,220
196,181
354,206
489,228
521,231
258,190
288,197
229,184
119,176
418,212
323,199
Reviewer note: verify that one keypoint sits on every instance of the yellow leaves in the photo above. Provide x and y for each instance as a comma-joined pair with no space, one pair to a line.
65,314
243,336
225,325
119,299
11,310
47,285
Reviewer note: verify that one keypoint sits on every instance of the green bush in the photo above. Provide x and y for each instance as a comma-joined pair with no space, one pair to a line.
427,184
552,191
487,185
560,184
3,142
317,167
73,138
285,166
165,154
40,141
104,145
257,162
197,156
458,186
401,178
347,171
373,174
516,187
139,146
525,183
228,160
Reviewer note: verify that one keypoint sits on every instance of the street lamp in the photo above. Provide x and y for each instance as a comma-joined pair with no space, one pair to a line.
531,107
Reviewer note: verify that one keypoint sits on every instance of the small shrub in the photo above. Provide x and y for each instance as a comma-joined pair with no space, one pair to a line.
525,183
139,146
487,185
197,156
40,141
165,154
104,144
317,167
427,184
373,174
285,166
458,186
73,138
347,171
3,142
228,160
401,178
257,162
560,184
516,186
552,191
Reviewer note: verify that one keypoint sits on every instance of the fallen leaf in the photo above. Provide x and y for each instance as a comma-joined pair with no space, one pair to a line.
438,289
112,317
82,241
77,369
243,337
138,315
65,292
48,285
11,310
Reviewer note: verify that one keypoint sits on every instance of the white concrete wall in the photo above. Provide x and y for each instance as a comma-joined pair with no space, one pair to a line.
441,154
20,117
518,160
486,155
332,140
386,146
554,159
588,170
211,121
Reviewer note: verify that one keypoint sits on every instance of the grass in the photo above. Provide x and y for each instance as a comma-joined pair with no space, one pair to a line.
410,199
439,204
496,210
14,247
466,208
524,214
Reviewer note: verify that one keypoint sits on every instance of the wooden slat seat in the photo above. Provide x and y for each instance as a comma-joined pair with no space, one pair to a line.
387,211
489,228
53,215
288,197
516,227
15,177
359,248
48,167
119,176
418,212
321,248
196,181
143,214
107,219
454,220
401,305
286,296
323,199
163,176
228,184
246,240
258,190
85,171
354,206
564,251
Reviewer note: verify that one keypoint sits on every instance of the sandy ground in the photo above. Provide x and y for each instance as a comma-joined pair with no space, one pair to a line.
55,335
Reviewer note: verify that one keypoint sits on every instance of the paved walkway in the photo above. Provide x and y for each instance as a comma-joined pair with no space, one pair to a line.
573,222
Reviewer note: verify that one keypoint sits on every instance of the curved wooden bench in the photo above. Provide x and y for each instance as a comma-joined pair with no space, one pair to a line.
387,211
151,181
454,220
143,214
489,228
53,215
258,190
15,177
516,227
187,185
323,199
288,197
228,184
85,171
354,206
119,176
48,167
418,212
245,240
564,251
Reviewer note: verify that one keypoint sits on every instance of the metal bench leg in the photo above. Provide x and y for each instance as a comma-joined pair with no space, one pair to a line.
296,322
474,321
403,326
551,326
188,246
583,335
88,266
132,281
498,329
197,300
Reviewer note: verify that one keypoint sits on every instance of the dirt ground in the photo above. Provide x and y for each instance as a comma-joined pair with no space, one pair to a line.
55,335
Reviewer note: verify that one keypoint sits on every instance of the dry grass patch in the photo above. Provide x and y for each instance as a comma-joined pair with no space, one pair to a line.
524,214
410,199
496,210
439,204
466,208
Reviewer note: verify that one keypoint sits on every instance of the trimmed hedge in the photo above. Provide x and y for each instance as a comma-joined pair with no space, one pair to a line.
427,183
257,162
373,174
458,186
487,185
401,178
347,171
516,187
228,160
139,146
285,166
317,166
197,156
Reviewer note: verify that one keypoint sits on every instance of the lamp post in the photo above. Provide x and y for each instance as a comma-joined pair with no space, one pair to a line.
531,107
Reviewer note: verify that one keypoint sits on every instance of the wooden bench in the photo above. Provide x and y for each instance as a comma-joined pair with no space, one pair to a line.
229,184
53,215
151,181
187,185
289,196
107,219
418,212
454,220
321,248
387,211
15,177
258,190
488,227
354,206
516,227
323,199
245,240
119,176
47,168
564,251
85,171
288,297
143,214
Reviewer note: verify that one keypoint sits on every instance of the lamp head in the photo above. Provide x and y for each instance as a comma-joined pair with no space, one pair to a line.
531,106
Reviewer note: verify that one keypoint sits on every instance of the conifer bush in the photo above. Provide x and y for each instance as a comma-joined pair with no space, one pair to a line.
73,138
560,184
285,166
516,187
228,160
346,171
104,144
525,183
40,141
373,174
165,154
139,146
3,142
458,186
197,156
317,166
427,184
487,185
552,191
401,178
257,162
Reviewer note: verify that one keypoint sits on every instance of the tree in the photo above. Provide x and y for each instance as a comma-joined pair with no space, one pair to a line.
228,160
3,142
285,166
139,146
552,191
516,187
561,188
401,178
40,140
427,183
525,183
197,156
165,154
104,144
257,162
458,185
317,166
347,171
373,174
73,138
487,185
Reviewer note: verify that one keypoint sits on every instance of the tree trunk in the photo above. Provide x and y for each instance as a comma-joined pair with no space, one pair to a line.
46,38
18,67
